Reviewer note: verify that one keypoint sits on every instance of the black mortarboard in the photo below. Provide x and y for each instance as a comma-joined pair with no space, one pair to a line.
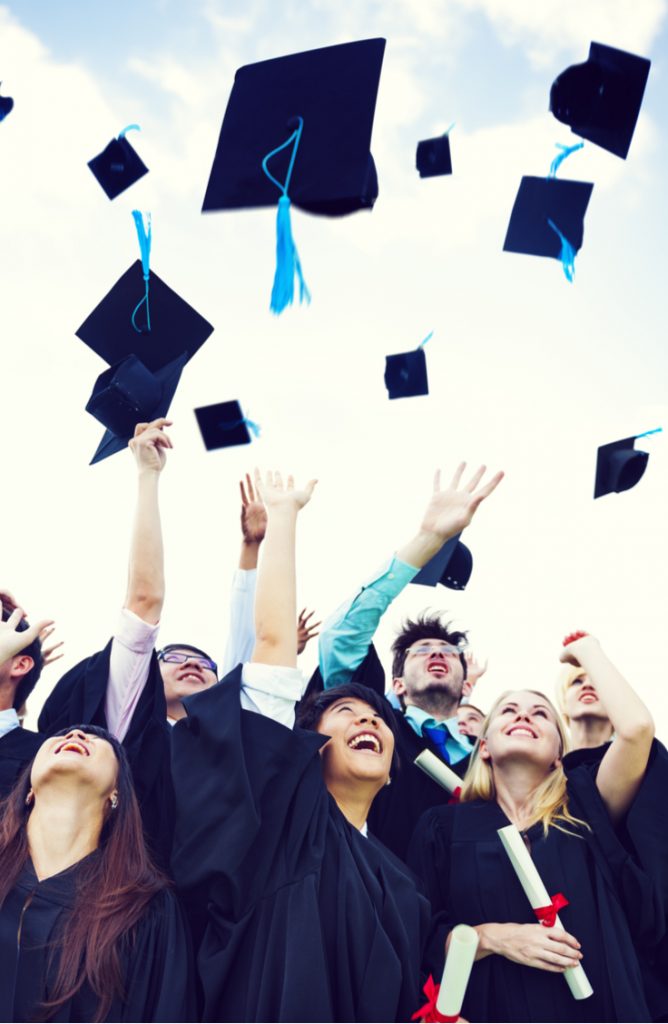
127,394
224,425
451,566
601,98
118,166
333,90
175,326
433,157
6,104
406,374
619,466
539,201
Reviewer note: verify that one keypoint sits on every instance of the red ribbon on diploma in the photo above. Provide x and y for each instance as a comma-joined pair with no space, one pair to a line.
428,1012
548,915
455,795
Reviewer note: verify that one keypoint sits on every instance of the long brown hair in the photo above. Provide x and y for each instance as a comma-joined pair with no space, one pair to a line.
114,889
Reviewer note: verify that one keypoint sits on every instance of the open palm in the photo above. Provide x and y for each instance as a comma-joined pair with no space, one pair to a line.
452,508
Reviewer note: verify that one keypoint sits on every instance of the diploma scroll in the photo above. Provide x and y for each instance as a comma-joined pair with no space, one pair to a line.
438,771
457,971
538,897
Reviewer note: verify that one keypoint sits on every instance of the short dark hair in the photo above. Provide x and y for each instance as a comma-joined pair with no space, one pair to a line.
34,650
427,626
311,710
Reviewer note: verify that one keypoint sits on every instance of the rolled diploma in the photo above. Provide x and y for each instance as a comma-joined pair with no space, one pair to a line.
537,894
457,970
438,771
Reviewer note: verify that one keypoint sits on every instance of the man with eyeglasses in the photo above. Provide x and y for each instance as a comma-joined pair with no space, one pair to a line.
429,668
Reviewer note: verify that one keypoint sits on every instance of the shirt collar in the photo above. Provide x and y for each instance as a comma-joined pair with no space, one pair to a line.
418,718
8,720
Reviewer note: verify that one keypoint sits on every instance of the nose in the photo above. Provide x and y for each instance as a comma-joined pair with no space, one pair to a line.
76,734
367,719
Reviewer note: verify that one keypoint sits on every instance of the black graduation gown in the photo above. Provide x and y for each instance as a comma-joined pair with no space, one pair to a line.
17,748
156,967
78,698
470,880
398,808
299,916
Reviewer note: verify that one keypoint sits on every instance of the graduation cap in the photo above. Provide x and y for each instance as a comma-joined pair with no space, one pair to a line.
451,566
601,98
6,104
406,372
224,425
175,327
619,465
333,90
432,157
118,165
129,393
548,219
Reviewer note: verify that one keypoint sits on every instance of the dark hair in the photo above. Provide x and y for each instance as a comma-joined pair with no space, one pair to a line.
113,890
426,627
28,682
311,710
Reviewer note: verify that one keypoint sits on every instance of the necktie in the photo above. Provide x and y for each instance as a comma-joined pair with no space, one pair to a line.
438,735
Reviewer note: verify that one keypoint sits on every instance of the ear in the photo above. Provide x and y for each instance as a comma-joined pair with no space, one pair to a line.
399,686
467,688
21,665
483,752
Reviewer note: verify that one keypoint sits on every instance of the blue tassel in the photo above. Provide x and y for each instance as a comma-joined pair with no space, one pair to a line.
144,235
425,340
254,427
287,262
559,159
657,430
567,254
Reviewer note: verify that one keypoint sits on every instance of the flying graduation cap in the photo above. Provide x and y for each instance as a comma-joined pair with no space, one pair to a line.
432,157
224,425
451,566
619,465
601,98
406,372
6,105
297,130
118,165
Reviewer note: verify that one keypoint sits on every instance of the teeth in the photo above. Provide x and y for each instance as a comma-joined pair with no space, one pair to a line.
364,739
521,732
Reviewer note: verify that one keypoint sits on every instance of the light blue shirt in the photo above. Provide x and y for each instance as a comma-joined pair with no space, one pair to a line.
457,746
8,720
347,633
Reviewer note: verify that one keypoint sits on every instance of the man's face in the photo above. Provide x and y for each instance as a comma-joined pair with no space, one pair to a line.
184,672
432,669
469,721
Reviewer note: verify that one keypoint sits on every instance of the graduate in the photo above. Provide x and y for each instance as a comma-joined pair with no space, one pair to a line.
89,929
571,826
298,913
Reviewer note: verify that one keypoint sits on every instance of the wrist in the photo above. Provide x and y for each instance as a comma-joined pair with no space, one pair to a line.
489,938
148,473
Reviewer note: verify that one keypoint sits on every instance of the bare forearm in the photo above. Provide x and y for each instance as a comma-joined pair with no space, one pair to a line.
424,545
248,555
627,712
146,575
276,597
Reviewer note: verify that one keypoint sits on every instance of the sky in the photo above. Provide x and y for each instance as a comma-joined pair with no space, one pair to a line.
527,373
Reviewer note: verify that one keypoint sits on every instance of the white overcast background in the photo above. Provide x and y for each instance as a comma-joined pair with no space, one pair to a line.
527,373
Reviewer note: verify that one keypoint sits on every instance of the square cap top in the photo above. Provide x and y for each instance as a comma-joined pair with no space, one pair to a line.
175,326
222,425
451,566
601,98
334,90
619,467
406,374
117,167
127,394
433,157
539,201
6,105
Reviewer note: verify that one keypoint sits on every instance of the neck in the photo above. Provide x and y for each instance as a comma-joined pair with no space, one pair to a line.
590,732
354,802
7,694
440,706
175,710
515,785
63,828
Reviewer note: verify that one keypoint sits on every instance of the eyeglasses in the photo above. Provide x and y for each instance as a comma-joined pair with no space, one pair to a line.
424,649
174,658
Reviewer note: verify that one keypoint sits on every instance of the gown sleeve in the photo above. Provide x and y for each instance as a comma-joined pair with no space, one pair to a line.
429,857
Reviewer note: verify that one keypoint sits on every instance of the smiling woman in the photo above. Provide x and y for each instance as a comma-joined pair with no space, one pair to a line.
74,864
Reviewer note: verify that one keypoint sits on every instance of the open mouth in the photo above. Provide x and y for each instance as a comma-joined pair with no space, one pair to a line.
522,730
588,698
191,677
438,668
366,741
74,746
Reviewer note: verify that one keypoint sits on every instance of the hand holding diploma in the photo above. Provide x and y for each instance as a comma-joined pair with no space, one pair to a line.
445,1000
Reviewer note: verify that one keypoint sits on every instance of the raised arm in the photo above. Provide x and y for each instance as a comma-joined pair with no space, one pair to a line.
347,634
624,763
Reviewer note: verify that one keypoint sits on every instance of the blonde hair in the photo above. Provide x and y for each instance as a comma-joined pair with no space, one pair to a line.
550,799
567,676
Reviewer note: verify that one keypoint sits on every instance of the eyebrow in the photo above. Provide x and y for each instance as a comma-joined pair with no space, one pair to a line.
513,704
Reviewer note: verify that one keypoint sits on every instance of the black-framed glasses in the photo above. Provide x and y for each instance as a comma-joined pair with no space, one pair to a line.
177,658
437,648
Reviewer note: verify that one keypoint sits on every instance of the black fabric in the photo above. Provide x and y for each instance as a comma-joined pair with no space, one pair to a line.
155,961
298,916
17,748
470,880
79,697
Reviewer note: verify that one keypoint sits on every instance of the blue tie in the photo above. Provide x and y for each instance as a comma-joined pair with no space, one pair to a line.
438,735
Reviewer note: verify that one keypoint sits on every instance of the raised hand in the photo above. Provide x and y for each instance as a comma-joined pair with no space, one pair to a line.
305,630
576,646
474,668
12,642
49,653
452,508
276,495
253,514
149,445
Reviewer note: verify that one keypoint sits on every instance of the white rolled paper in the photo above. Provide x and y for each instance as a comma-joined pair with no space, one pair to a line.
538,896
457,970
438,771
